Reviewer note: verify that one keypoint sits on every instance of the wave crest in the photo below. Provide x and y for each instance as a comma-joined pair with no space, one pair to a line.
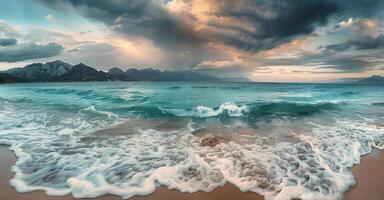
230,109
227,109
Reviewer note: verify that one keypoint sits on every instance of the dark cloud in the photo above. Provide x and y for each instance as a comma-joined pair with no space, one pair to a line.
350,64
369,43
363,43
361,8
7,42
26,51
274,21
144,18
337,47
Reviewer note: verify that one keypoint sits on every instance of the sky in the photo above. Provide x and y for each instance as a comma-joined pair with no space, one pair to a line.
264,40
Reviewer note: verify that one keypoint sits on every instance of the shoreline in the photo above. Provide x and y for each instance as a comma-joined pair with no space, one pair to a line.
7,192
368,175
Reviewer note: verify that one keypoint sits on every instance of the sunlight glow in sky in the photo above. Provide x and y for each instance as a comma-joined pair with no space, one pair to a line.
264,40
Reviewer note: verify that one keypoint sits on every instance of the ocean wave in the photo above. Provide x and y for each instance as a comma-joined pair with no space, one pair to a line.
93,110
218,87
378,104
203,86
230,109
53,90
290,108
174,87
348,94
80,93
143,111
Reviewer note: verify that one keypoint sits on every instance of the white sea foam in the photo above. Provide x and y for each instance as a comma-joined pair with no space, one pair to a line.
94,110
318,167
228,108
61,156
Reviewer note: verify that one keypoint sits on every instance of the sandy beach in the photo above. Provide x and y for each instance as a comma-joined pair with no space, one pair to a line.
369,176
8,193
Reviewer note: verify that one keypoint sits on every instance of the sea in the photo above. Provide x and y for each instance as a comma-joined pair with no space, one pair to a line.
283,141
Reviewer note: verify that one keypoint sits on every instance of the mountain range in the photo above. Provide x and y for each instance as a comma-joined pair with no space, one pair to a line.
59,71
39,72
375,79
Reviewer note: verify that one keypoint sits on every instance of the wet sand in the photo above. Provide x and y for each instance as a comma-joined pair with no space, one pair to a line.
369,175
7,159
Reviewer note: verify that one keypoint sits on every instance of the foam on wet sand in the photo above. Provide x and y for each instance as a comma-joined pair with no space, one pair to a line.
227,192
369,176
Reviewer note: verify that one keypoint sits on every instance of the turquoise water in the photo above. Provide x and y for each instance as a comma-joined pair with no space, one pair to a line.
127,138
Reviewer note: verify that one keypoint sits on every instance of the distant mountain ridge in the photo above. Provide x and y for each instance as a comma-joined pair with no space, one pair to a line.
80,73
59,71
40,72
150,74
375,79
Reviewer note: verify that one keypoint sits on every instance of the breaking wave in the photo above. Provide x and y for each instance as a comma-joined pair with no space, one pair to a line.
228,108
253,110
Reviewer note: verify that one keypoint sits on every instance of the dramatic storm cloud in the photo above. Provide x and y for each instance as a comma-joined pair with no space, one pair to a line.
268,23
220,37
7,42
247,25
11,50
360,44
29,51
